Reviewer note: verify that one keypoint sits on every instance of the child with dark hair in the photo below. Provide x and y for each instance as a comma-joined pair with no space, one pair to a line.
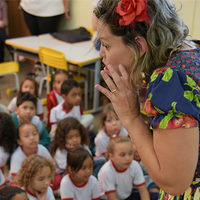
70,107
28,85
35,176
25,112
54,97
13,193
7,141
28,140
79,182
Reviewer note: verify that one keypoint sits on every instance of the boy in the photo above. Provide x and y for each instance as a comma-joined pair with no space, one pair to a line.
28,140
25,111
70,107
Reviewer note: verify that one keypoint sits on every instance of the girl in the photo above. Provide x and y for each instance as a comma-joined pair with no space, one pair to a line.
110,125
7,142
117,176
13,193
28,85
54,97
70,133
79,183
35,176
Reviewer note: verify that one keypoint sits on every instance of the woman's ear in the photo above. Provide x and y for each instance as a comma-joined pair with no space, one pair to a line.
142,44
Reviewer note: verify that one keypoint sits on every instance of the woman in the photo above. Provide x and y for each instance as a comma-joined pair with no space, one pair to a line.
43,16
147,36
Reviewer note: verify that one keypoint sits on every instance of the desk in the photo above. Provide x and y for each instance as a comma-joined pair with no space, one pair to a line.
81,54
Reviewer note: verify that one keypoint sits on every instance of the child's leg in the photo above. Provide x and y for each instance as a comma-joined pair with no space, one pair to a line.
98,163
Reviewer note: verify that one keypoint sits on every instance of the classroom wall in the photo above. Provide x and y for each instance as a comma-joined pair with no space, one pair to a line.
81,14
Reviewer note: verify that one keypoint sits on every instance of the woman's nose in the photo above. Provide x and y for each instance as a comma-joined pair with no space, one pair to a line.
101,52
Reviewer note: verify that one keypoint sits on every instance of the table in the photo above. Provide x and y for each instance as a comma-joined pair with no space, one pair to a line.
81,54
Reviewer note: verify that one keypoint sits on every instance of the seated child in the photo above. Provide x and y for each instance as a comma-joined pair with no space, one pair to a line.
7,142
35,176
28,141
117,176
79,182
54,97
25,112
70,133
110,125
70,107
28,85
151,186
13,193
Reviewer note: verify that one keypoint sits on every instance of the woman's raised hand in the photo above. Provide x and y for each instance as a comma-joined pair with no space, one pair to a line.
123,98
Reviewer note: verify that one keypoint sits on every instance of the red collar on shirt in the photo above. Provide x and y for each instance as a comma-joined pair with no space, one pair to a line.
57,92
26,154
63,108
117,169
111,136
79,186
138,160
30,193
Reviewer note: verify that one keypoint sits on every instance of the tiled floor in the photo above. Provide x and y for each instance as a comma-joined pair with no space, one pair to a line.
9,82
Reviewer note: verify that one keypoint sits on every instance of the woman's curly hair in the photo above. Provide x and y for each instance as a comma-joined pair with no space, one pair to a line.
29,168
7,132
64,126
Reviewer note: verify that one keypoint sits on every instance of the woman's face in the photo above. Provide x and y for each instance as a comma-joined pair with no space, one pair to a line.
113,50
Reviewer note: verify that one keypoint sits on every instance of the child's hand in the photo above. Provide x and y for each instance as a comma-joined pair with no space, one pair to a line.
41,196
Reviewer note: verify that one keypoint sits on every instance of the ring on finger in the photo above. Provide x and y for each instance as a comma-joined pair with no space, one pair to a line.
114,90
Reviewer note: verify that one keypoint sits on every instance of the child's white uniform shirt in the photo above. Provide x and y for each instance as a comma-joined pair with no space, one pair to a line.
88,191
13,104
19,155
60,158
49,196
2,179
58,113
58,96
3,156
102,139
120,182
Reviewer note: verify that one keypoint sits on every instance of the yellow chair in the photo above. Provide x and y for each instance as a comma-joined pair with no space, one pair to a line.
8,68
56,59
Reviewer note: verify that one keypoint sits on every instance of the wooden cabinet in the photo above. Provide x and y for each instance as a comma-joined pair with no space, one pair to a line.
17,26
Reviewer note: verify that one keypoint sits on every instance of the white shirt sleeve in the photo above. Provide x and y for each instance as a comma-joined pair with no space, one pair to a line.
61,158
53,118
12,105
66,189
96,191
44,152
40,109
2,179
138,174
16,161
101,144
3,156
50,195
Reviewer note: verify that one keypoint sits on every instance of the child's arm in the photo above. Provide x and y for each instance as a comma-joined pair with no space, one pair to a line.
111,196
144,193
53,130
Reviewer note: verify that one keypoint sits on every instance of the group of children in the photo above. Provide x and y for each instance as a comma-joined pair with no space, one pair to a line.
60,161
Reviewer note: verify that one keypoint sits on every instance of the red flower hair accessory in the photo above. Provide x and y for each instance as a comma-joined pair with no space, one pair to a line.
132,11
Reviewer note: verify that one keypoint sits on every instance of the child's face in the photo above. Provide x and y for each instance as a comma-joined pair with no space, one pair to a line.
123,155
112,124
26,111
20,196
28,86
84,172
29,137
42,180
59,79
73,97
73,139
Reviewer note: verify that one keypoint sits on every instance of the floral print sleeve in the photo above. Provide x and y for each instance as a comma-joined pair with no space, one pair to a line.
173,100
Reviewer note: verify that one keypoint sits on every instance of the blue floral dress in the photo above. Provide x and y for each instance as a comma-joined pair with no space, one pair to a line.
173,100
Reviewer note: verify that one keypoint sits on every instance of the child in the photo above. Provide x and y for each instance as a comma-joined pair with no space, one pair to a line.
25,112
28,141
79,183
110,126
151,186
35,176
54,97
13,193
28,85
7,142
117,176
70,107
